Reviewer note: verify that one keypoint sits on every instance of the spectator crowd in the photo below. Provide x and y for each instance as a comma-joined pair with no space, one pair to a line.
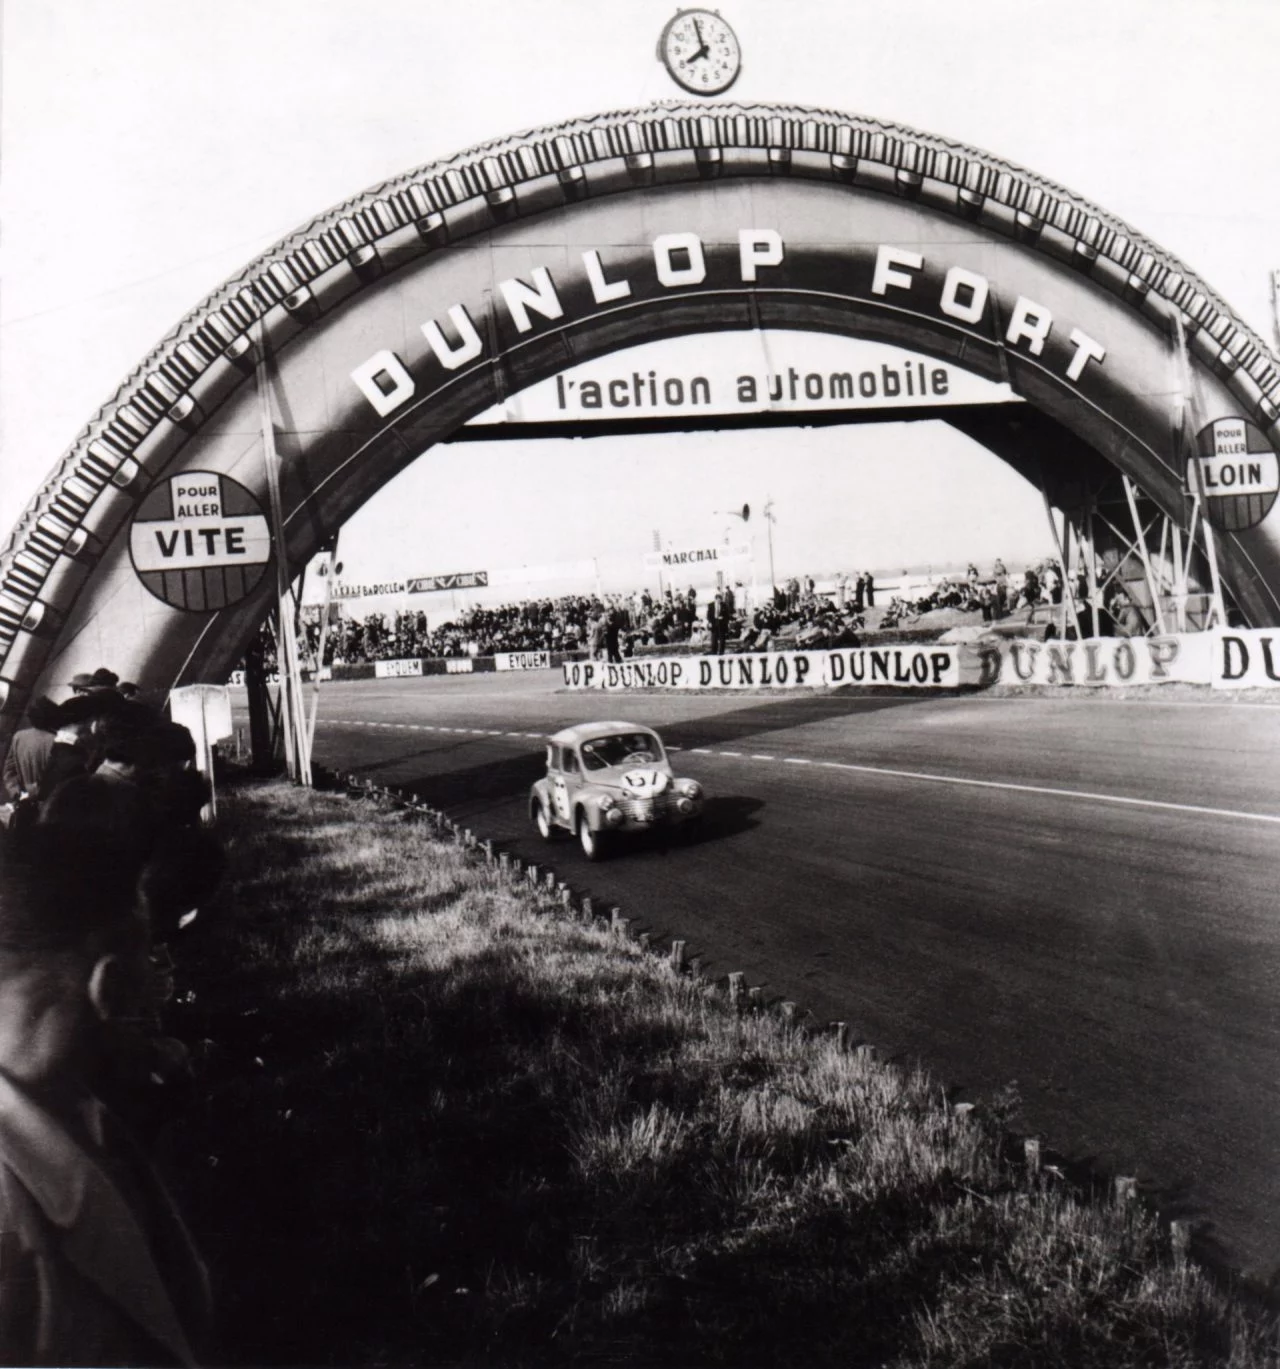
794,614
103,865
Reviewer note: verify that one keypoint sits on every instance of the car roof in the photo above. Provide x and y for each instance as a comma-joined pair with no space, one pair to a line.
585,732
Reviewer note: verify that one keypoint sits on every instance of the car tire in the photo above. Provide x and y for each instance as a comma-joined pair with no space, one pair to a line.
542,822
594,844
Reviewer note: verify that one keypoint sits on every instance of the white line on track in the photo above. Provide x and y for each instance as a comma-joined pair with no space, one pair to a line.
1009,787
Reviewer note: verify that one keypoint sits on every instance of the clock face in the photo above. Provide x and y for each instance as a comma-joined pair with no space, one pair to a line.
701,52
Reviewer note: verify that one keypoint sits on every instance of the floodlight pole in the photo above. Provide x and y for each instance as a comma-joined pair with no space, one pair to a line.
768,519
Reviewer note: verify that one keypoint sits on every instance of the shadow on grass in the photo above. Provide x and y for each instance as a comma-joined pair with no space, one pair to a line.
410,1143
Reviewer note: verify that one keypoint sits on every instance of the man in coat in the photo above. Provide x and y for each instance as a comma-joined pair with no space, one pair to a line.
96,1266
28,754
725,609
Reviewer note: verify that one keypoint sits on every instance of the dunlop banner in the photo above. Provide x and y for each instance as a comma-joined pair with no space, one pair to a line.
1246,659
907,666
1104,662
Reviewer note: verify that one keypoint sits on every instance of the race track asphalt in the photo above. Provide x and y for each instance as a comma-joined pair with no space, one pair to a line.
1072,895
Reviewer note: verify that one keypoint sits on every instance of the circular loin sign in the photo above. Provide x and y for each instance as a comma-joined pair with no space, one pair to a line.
200,542
1236,471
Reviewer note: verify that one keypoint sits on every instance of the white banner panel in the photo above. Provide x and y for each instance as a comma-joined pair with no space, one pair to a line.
390,670
773,371
557,570
1246,659
907,666
344,590
687,559
522,660
1108,662
458,665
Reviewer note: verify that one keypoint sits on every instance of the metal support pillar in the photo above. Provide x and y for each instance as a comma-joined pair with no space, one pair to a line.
1091,563
297,752
255,679
324,638
1189,416
1154,588
1063,545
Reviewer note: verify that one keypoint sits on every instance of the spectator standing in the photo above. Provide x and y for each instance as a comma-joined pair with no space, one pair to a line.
96,1266
1053,582
727,609
29,751
1002,587
613,633
1031,591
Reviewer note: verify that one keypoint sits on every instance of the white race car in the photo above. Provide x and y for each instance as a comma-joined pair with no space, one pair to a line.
604,779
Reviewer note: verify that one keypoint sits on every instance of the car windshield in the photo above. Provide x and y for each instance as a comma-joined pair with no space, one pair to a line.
601,752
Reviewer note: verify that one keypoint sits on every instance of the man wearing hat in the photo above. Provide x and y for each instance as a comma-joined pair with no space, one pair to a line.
82,682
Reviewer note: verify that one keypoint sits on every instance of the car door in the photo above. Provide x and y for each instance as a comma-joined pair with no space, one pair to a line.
561,795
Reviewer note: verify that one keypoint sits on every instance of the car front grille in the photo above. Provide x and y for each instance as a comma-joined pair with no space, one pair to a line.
646,809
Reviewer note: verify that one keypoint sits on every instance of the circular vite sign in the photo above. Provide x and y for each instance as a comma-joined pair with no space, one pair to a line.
200,542
1236,472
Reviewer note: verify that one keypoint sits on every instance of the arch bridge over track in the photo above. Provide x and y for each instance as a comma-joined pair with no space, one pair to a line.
387,323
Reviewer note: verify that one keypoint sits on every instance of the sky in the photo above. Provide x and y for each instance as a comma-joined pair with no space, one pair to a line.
149,149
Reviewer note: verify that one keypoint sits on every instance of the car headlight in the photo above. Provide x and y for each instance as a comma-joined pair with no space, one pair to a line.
605,802
693,789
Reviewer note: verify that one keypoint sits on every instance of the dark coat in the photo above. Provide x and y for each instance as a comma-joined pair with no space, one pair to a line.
93,1270
26,761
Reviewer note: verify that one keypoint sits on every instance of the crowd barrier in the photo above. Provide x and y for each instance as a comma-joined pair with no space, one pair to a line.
1235,659
1243,659
908,666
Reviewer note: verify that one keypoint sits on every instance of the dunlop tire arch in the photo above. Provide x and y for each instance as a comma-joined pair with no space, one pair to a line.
609,154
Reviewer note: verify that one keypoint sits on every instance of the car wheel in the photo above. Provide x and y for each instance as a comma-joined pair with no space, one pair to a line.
542,822
594,844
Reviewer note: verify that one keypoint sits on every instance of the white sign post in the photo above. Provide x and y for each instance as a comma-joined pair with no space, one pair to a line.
205,711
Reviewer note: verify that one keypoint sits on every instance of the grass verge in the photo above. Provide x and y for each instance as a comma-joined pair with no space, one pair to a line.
436,1122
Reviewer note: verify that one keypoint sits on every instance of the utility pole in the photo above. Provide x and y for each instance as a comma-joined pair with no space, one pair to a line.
769,522
743,513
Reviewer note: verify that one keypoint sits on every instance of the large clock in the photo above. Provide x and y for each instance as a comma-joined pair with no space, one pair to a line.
700,51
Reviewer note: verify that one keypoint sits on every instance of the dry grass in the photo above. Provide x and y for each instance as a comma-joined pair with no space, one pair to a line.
435,1123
